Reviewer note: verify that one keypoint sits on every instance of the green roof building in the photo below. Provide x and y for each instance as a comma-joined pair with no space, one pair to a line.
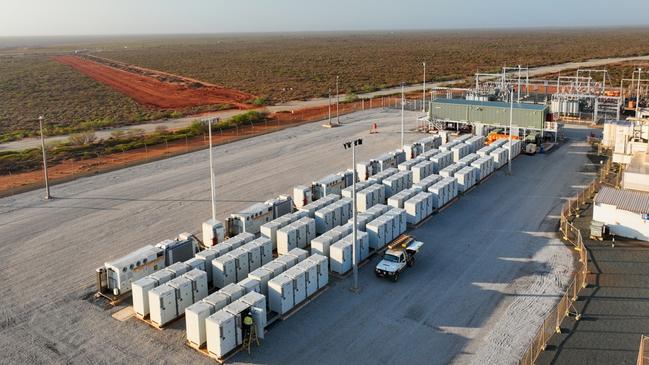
493,113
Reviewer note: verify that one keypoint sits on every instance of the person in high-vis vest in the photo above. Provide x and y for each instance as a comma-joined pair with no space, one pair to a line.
247,324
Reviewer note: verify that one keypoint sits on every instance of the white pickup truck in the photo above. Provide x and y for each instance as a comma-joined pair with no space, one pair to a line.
397,257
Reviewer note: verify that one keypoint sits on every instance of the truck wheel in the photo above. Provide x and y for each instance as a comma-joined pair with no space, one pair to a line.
395,277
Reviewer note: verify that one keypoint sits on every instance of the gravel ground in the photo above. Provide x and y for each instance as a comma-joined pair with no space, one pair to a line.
489,268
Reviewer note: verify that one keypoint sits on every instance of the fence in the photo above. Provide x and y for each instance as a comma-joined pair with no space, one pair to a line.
28,174
565,306
642,352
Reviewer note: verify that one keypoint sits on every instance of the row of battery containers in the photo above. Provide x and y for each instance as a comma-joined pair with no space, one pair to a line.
332,215
235,265
292,287
423,145
201,262
270,229
516,147
386,227
220,249
322,243
298,234
443,191
169,300
366,170
316,205
256,282
223,328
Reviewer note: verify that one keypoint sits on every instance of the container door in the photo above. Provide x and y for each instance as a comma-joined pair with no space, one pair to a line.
259,316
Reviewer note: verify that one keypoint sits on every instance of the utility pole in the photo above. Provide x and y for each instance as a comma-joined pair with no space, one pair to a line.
337,102
330,107
423,91
47,183
511,117
352,145
403,103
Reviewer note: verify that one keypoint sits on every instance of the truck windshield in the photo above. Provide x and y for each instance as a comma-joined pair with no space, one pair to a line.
391,258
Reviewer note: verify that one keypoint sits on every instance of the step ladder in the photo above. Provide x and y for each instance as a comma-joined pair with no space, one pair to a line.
251,336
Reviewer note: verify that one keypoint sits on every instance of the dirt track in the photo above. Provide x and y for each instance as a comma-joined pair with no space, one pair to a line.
153,92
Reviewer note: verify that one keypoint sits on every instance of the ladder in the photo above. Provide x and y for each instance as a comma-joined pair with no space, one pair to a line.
251,336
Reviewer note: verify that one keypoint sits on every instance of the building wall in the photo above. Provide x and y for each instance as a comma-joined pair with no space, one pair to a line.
522,118
621,222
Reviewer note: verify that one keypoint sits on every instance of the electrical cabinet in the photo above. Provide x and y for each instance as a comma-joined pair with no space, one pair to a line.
262,275
224,271
162,304
280,294
221,333
195,316
322,268
199,284
310,270
184,295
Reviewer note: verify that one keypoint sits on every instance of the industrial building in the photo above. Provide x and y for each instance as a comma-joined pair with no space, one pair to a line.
492,113
625,212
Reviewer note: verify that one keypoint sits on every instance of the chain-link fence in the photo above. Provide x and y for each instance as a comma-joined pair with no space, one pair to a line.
565,307
27,173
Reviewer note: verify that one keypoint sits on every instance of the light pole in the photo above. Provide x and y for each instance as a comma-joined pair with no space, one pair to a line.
330,107
213,230
518,89
352,145
403,103
47,183
337,102
637,97
423,92
511,118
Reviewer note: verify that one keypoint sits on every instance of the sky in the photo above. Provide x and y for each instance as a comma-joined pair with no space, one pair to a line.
109,17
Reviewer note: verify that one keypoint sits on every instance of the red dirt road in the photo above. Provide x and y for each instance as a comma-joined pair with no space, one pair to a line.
150,91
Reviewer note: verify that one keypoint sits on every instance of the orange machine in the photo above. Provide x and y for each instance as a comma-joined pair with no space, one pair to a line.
492,137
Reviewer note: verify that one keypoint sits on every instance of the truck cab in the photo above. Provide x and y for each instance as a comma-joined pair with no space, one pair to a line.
397,258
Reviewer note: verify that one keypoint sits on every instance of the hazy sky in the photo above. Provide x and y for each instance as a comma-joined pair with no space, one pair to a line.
92,17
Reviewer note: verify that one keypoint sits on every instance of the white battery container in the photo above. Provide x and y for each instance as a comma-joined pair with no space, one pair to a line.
140,294
262,275
287,260
221,333
250,284
280,294
299,254
299,283
310,270
195,316
162,304
376,231
224,271
217,300
196,263
322,263
184,295
340,257
198,280
178,268
276,267
242,260
233,292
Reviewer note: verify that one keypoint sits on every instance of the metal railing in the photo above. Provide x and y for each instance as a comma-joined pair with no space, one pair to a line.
642,351
565,307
